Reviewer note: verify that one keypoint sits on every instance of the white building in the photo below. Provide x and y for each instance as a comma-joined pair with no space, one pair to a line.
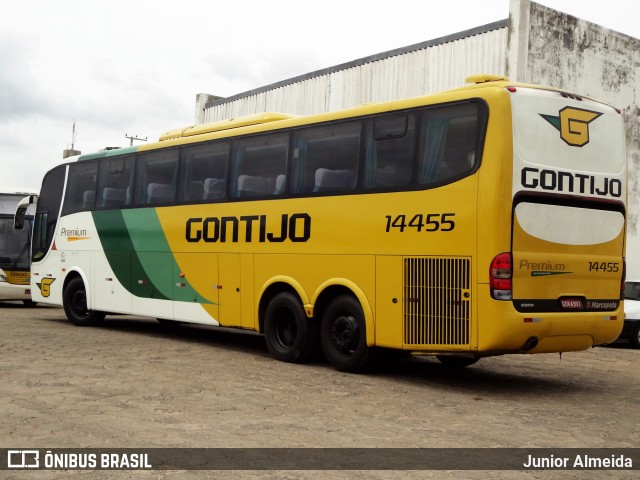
536,44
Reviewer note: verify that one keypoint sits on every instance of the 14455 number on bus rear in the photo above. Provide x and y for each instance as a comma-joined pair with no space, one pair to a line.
605,267
430,222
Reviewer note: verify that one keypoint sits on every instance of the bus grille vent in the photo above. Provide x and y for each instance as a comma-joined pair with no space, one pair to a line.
437,301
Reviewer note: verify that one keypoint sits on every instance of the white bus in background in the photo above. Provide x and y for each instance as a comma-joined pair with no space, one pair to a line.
15,246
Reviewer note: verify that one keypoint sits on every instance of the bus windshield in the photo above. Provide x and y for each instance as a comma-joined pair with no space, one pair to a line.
14,245
632,290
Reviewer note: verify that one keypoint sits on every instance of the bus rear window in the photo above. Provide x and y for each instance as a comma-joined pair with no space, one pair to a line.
449,142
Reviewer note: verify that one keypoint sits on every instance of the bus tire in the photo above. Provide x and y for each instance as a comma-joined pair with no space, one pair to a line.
634,339
290,335
456,361
74,301
343,335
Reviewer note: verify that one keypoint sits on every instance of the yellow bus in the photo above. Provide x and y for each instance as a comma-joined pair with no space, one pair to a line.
484,220
14,246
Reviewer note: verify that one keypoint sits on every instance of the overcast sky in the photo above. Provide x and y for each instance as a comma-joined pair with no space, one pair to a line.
134,67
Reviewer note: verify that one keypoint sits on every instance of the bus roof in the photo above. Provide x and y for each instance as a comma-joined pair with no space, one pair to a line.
245,121
224,128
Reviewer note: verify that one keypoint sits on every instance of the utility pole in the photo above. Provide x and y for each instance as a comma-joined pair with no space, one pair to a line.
73,136
133,137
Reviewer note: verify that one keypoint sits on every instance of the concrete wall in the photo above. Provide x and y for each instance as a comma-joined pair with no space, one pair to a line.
548,47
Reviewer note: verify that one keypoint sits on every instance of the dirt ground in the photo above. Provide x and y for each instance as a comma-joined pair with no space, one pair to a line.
134,383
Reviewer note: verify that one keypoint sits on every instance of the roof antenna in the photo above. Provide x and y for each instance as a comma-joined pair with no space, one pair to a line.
69,152
133,137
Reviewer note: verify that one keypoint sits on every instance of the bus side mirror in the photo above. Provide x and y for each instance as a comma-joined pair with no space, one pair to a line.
21,211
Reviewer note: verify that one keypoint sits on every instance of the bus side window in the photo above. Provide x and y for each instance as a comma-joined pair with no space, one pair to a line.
204,172
390,151
115,182
260,166
157,177
326,158
448,143
81,187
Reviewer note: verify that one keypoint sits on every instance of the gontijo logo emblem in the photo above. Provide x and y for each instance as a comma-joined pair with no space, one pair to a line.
573,124
45,286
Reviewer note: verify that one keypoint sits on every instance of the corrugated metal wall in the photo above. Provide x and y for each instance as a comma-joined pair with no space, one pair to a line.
427,70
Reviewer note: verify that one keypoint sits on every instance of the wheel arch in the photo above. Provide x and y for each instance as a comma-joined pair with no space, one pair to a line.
276,285
335,287
75,272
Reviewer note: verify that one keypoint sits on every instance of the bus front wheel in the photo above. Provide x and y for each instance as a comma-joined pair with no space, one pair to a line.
289,334
343,335
74,301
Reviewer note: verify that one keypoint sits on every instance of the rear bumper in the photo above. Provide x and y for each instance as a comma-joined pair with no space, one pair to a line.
503,329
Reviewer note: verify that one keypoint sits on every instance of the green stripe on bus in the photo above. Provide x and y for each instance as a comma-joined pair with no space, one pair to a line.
117,247
108,153
151,248
139,254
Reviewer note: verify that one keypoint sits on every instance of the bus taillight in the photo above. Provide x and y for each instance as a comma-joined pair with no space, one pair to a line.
500,277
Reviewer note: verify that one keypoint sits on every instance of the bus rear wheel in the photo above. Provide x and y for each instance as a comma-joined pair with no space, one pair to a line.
74,301
290,335
343,335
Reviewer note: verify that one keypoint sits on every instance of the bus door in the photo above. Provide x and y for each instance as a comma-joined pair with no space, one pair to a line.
230,289
45,260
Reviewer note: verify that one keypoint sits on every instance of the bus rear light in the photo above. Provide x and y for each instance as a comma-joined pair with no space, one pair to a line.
511,89
500,277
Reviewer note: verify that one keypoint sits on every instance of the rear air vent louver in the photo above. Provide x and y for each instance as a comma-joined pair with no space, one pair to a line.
437,303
